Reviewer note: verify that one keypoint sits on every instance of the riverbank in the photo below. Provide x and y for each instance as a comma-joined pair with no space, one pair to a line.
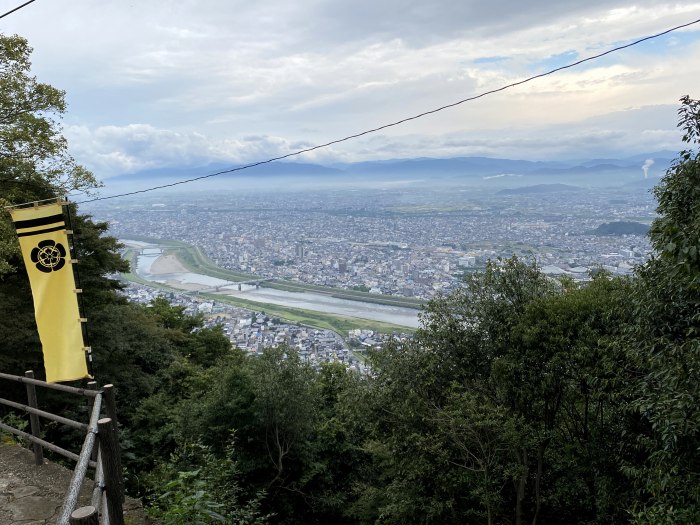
322,320
167,263
194,260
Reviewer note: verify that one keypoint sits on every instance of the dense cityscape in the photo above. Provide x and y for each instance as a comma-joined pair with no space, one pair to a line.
394,242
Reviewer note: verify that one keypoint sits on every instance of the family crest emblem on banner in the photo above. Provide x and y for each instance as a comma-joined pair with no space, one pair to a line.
43,239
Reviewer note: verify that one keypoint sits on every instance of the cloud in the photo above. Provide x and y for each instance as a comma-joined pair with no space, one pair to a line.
162,83
114,150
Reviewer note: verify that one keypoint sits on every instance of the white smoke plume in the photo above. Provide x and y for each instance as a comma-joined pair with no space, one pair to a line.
645,168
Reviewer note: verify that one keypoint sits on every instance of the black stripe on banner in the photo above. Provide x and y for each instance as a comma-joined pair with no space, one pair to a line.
39,232
42,221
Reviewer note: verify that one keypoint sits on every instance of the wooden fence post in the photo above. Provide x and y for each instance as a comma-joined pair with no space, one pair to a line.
111,408
110,404
34,419
84,516
109,451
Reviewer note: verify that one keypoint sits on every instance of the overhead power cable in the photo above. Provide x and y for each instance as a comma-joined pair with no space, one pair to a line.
402,121
17,8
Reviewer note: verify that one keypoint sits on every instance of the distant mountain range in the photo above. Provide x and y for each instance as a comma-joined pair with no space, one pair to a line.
480,166
483,171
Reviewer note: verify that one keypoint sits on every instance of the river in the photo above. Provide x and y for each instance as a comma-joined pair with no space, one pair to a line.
307,300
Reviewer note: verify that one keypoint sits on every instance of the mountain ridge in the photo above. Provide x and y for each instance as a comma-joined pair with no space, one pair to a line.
477,168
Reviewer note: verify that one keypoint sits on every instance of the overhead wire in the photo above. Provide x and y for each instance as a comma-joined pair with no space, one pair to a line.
401,121
16,8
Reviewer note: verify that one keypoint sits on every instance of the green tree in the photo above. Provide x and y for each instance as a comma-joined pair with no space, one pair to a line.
173,317
482,434
34,165
285,415
203,489
566,376
505,408
159,358
34,159
297,431
666,342
445,380
335,461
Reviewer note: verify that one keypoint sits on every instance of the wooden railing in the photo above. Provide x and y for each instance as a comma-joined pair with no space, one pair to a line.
100,450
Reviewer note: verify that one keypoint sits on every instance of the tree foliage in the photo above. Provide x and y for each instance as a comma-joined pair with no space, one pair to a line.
34,159
666,343
505,391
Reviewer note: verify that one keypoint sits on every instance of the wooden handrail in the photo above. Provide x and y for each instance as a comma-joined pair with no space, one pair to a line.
45,444
100,433
51,386
109,452
45,415
78,478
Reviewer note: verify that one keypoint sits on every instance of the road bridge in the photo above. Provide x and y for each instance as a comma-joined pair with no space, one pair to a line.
218,287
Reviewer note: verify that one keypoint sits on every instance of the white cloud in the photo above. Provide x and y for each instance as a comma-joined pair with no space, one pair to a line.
113,150
162,83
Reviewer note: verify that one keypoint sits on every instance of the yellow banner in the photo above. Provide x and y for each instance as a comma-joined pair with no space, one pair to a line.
42,236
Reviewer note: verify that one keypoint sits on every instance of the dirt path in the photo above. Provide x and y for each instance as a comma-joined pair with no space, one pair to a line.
33,495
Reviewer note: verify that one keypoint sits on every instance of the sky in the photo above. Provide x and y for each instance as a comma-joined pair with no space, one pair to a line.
161,84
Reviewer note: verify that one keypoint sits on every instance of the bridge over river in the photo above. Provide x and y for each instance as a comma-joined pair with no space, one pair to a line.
235,284
173,274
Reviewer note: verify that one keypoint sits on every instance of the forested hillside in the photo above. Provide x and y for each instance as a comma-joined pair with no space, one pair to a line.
521,400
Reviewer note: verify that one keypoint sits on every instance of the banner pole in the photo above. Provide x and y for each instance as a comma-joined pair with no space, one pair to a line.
79,289
31,203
